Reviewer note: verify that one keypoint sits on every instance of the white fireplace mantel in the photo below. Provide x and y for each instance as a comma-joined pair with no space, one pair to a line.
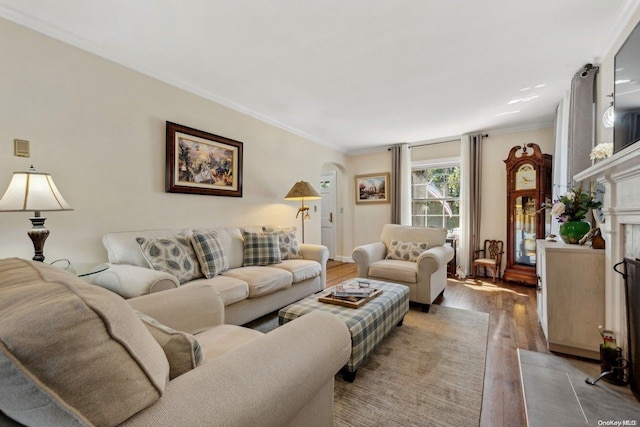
620,175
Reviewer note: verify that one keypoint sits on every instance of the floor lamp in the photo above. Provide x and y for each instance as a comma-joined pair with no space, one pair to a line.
34,191
302,191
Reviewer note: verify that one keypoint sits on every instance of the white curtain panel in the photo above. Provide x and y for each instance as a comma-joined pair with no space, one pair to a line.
465,204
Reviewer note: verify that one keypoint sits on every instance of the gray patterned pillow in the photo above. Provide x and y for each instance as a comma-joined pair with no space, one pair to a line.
289,247
406,251
261,249
208,249
183,350
171,254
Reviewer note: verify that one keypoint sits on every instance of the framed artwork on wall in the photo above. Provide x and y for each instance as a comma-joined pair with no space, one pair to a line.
373,188
202,163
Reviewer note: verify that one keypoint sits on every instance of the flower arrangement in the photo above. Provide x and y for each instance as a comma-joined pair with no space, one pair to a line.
574,205
601,151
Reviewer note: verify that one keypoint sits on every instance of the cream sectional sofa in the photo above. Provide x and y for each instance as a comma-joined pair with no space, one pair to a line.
248,292
74,354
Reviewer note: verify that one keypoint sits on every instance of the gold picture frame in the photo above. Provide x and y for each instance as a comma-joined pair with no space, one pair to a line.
373,188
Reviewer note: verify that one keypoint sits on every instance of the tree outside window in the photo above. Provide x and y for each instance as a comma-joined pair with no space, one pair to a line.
435,194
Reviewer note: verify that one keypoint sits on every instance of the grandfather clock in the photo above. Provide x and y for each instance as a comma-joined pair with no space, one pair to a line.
528,186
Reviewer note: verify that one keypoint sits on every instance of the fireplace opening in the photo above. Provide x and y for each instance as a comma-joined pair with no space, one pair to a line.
631,274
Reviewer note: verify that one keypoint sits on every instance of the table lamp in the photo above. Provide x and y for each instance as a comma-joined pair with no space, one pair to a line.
34,191
302,190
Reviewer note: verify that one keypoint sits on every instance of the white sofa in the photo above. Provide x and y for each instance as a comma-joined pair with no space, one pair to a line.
74,354
426,277
247,292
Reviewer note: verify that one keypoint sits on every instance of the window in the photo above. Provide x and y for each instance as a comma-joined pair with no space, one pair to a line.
435,194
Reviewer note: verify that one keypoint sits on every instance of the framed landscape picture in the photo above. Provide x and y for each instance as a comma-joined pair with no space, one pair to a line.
202,163
373,188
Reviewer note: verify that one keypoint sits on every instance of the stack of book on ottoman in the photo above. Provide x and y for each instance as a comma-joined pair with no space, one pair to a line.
351,293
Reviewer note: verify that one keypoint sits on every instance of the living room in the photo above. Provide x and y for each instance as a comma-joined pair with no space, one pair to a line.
99,128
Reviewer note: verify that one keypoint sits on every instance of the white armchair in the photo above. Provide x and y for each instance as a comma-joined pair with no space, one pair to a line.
413,256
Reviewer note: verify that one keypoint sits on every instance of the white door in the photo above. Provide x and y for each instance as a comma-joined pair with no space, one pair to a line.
328,212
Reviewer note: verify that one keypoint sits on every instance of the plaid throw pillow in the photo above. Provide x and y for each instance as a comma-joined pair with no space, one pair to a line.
406,251
171,254
289,247
208,249
261,249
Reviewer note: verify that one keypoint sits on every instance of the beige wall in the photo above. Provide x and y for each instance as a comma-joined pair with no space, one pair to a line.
368,219
494,177
99,129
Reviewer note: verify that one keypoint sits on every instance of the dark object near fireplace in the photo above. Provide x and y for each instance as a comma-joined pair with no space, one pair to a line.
630,272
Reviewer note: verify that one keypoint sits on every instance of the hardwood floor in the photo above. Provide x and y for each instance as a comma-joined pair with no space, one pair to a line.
513,324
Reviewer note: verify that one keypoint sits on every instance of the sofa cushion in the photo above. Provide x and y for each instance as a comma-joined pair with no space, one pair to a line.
301,269
171,254
394,270
260,249
231,290
288,241
60,337
406,251
183,351
210,255
262,280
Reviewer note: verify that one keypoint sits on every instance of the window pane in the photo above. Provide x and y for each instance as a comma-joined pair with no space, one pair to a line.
435,193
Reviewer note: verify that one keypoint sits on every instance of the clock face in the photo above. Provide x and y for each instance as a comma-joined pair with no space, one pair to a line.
525,178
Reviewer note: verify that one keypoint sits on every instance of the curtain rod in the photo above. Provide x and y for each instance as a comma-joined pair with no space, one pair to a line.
486,135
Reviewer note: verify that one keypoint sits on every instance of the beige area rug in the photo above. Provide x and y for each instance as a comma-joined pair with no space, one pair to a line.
428,372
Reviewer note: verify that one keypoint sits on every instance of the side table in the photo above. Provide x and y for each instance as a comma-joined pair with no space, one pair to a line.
80,269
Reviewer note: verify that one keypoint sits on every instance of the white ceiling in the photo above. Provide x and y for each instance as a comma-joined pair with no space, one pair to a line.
351,74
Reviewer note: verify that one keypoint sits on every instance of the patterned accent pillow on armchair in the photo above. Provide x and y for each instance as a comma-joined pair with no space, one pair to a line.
406,251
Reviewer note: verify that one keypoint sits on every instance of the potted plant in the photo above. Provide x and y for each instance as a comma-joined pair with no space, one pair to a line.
570,210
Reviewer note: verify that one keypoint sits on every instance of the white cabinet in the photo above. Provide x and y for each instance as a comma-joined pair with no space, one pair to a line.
571,297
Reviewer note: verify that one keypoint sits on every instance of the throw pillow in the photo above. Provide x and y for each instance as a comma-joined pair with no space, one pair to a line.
183,350
289,246
406,251
208,249
261,249
171,254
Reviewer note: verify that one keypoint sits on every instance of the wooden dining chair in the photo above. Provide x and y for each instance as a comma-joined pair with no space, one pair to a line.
489,258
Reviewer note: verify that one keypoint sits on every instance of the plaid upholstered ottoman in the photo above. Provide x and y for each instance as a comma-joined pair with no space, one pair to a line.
368,324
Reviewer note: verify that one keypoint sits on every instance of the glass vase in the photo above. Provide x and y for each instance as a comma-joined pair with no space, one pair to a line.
572,231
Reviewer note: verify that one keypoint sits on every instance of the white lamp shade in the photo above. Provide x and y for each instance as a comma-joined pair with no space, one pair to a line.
32,191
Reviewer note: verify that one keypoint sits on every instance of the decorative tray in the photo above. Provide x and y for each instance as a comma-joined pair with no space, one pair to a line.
351,302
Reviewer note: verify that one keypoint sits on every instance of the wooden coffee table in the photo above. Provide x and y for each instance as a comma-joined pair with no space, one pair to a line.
368,324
